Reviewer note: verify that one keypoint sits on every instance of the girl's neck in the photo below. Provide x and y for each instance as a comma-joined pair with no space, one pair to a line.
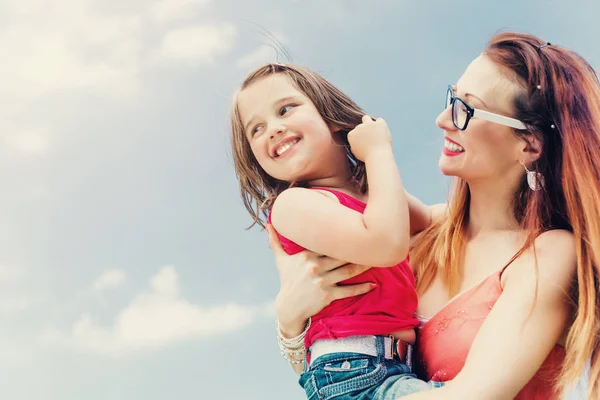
340,183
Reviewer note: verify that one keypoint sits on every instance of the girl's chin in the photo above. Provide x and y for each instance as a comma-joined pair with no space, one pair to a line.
289,178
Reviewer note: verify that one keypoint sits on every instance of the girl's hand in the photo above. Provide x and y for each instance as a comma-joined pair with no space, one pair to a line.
308,284
369,137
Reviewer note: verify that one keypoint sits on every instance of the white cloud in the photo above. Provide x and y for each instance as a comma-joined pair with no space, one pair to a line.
72,45
17,349
11,274
30,141
68,46
15,297
78,47
198,44
110,279
156,318
16,303
169,10
261,55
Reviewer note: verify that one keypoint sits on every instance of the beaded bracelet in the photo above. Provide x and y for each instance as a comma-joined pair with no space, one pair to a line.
295,342
291,360
287,353
293,346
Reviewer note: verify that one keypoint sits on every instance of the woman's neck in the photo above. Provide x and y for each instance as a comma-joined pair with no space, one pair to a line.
491,209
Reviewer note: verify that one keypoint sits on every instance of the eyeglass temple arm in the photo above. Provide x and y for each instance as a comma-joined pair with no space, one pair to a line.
499,119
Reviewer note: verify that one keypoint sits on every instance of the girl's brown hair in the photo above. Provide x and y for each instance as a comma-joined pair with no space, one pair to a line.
257,188
560,105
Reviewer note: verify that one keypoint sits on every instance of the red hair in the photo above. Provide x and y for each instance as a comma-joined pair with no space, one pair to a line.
559,102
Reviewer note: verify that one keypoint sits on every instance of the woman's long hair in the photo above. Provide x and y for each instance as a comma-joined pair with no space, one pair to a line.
560,105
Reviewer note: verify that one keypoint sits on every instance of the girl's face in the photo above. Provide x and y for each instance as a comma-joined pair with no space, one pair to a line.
287,135
484,149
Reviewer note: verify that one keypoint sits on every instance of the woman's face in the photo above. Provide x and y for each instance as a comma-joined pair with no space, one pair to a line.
484,150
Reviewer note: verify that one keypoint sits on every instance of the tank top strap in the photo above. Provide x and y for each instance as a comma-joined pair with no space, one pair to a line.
340,196
344,198
513,258
517,255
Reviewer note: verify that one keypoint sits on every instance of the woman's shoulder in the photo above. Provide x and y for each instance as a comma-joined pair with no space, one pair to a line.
552,260
557,242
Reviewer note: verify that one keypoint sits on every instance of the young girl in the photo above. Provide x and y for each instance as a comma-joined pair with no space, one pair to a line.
292,132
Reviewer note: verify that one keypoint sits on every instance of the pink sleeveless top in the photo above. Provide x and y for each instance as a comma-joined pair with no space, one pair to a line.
388,308
444,341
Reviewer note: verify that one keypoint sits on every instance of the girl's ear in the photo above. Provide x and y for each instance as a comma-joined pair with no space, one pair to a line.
340,137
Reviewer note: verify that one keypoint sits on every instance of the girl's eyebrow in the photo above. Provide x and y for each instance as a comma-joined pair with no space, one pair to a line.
249,123
280,101
286,99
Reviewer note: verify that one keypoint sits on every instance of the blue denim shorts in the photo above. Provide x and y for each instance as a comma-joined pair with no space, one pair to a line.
354,376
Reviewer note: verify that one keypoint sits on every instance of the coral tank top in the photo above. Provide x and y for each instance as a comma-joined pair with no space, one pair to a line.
444,341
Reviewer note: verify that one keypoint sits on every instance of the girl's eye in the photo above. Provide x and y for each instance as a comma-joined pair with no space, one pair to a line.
255,130
285,109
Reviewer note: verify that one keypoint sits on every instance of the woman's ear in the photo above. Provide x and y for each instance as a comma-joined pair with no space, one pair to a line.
531,149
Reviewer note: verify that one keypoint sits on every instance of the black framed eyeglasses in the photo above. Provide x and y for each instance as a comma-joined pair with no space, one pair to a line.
463,112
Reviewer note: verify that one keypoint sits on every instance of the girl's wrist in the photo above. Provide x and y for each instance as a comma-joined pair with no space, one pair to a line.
292,348
292,328
377,152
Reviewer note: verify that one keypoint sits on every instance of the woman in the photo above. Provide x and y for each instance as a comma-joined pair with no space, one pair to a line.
502,265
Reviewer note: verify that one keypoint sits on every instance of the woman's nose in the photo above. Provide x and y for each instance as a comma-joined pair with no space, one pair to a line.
444,120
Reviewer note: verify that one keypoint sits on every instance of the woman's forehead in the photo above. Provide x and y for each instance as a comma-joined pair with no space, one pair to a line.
485,80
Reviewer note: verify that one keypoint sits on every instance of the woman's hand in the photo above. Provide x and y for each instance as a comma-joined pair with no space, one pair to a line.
309,282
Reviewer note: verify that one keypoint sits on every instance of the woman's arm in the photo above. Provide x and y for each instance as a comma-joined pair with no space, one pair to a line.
421,215
522,328
380,235
308,284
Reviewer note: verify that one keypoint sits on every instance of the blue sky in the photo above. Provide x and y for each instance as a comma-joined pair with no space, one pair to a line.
125,270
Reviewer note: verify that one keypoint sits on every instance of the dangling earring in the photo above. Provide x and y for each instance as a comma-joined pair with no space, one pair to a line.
535,180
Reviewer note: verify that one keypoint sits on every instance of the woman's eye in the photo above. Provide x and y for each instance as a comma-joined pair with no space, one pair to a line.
285,109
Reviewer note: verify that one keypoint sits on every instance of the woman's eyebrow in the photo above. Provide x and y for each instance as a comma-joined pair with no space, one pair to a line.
477,98
467,94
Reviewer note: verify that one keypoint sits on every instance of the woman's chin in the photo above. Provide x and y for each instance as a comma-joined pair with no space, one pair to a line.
446,169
